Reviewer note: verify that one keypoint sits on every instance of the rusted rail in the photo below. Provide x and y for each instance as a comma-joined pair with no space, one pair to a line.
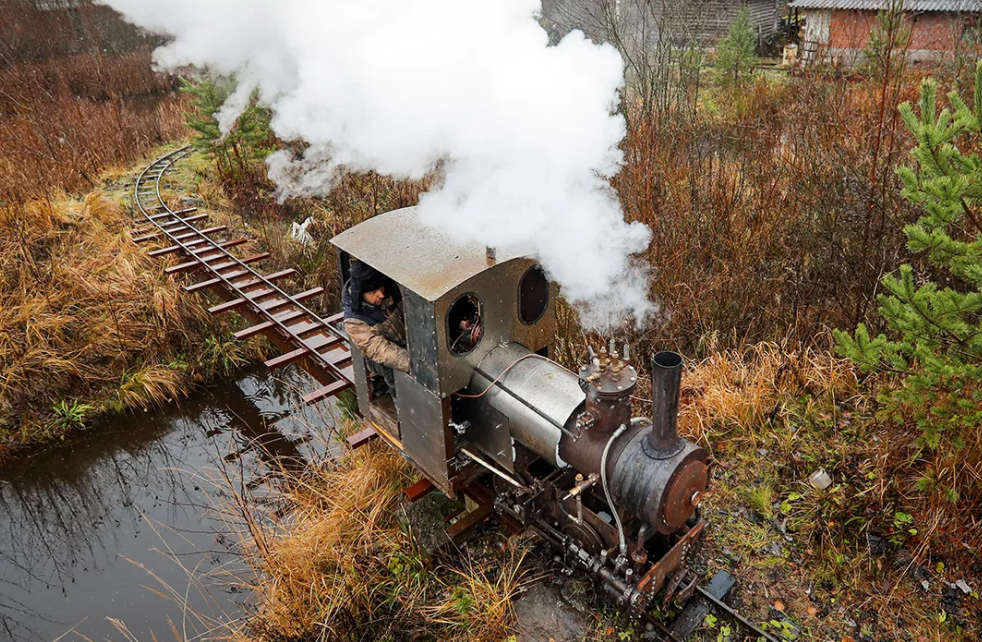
305,338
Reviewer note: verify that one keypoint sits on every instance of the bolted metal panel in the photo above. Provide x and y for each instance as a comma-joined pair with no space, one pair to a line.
497,290
490,431
421,339
536,395
423,424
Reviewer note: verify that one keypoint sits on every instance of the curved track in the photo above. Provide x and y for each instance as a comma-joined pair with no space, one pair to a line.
315,343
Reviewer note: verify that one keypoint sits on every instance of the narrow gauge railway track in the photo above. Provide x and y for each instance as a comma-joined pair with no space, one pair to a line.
314,343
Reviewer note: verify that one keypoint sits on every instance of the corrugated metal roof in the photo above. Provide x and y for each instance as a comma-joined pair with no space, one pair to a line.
878,5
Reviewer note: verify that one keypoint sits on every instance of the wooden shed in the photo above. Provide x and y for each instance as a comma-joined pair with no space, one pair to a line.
647,21
839,30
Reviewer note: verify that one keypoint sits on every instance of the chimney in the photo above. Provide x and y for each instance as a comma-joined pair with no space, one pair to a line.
666,378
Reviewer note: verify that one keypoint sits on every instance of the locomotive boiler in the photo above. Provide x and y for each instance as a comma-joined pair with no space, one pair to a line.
486,414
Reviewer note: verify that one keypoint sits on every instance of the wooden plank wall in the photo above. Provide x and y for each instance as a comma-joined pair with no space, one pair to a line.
702,20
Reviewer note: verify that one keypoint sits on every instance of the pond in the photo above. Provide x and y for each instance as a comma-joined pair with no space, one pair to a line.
129,527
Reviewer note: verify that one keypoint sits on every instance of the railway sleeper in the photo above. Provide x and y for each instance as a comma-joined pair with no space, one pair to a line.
269,306
288,358
170,234
268,325
331,390
158,226
178,248
236,275
170,213
202,262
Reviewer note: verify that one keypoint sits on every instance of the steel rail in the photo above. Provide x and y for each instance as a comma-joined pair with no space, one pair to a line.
159,167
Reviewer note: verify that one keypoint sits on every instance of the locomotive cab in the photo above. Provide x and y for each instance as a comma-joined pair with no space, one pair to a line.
461,301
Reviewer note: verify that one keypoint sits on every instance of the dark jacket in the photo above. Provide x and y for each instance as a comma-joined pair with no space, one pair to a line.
379,332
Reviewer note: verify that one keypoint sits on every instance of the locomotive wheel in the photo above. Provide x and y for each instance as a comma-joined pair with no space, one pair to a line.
583,533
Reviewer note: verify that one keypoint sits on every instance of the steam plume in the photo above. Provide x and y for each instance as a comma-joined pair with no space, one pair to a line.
526,131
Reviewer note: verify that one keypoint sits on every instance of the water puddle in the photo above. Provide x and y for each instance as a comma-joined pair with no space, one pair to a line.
111,525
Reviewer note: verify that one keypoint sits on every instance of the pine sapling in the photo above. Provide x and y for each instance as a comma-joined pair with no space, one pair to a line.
933,346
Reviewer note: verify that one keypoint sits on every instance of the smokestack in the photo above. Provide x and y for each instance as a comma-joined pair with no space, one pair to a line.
666,377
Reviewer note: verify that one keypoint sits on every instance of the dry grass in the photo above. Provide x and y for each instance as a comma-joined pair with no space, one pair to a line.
771,416
343,564
743,390
64,120
65,143
87,319
343,518
774,207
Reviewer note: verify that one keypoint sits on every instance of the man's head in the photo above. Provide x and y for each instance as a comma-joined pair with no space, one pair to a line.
368,285
374,297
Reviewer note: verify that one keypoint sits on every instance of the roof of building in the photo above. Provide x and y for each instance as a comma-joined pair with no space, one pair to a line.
416,256
879,5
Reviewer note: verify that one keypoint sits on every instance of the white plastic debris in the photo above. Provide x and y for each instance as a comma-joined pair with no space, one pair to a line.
299,231
820,479
963,585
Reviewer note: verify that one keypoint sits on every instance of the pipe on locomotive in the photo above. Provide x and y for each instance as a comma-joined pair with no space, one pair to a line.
571,421
666,381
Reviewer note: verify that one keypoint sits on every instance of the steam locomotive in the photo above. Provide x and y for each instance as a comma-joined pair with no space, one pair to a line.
487,414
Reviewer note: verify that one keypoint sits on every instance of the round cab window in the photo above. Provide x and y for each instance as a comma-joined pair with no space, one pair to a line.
533,295
464,324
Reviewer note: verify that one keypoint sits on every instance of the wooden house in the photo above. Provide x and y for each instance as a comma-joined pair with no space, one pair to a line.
839,31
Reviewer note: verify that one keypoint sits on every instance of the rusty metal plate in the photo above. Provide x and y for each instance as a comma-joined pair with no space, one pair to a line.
423,425
684,492
491,433
670,564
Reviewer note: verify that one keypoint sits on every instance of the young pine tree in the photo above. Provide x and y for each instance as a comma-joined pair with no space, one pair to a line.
886,52
249,141
736,54
934,343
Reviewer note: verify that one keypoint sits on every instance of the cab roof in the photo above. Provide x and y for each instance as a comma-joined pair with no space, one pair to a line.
416,256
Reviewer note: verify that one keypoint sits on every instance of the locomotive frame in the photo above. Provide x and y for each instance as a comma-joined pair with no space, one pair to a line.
530,443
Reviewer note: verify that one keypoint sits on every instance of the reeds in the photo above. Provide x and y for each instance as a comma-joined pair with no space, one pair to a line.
345,564
64,120
774,206
85,315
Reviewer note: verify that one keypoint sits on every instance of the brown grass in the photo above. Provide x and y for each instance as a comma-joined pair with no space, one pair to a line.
65,120
743,390
774,207
86,317
771,416
344,565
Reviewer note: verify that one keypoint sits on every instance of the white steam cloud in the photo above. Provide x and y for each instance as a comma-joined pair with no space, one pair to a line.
526,132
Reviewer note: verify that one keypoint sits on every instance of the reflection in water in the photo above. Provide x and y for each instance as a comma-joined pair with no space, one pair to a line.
103,527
